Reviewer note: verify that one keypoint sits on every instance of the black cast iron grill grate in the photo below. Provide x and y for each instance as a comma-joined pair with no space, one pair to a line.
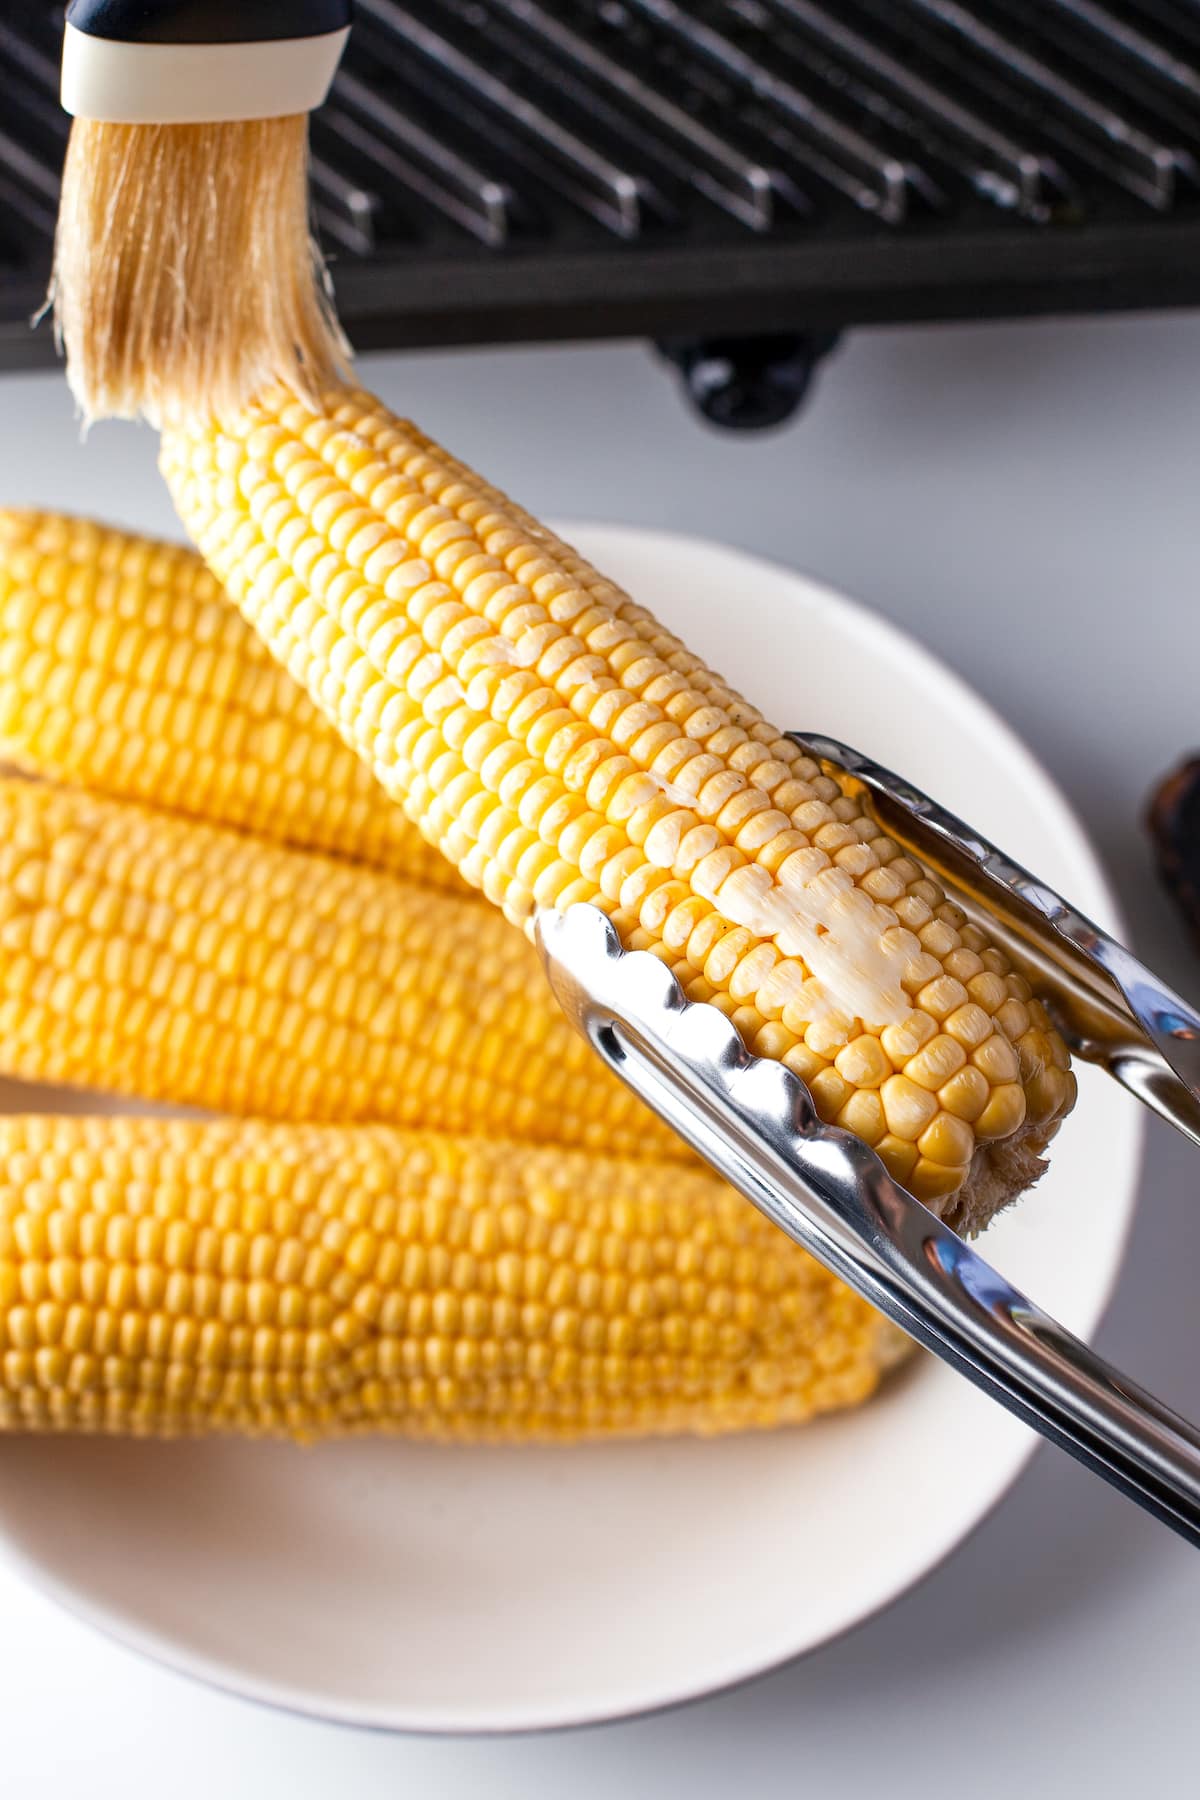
511,169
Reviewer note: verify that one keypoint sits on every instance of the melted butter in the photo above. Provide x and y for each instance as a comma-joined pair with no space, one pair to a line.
443,696
494,652
677,795
500,652
662,842
787,987
813,912
831,926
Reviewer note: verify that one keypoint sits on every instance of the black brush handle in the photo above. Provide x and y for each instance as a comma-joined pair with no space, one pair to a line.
207,21
188,62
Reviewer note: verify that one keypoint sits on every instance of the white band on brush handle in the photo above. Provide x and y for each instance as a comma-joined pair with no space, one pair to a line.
196,84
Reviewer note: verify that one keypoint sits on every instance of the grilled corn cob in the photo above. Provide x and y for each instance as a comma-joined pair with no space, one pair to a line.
166,1277
559,745
155,956
124,668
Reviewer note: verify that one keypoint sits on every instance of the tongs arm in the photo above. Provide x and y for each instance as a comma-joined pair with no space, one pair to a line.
1112,1010
755,1123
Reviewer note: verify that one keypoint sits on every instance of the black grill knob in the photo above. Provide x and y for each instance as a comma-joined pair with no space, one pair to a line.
748,383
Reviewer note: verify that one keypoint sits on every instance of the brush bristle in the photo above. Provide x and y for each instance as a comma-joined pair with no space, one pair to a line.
186,278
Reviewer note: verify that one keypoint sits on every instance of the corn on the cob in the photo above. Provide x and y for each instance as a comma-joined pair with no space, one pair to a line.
165,1276
154,956
125,669
559,745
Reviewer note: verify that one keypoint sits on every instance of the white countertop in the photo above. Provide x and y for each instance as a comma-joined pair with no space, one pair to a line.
1024,499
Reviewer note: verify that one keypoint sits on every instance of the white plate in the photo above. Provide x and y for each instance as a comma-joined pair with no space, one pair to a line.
495,1590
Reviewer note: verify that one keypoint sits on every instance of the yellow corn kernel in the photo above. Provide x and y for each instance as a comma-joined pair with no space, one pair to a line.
153,956
589,1335
123,668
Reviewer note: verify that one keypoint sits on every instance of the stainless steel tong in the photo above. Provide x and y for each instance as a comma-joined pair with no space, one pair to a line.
755,1122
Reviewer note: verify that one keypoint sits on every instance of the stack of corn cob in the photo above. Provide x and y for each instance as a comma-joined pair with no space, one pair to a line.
430,1211
297,952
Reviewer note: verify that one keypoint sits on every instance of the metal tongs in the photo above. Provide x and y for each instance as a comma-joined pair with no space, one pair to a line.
755,1122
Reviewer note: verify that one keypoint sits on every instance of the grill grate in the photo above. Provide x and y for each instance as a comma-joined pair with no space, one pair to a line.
499,169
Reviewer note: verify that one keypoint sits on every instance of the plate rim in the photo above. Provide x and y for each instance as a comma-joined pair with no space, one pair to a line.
602,538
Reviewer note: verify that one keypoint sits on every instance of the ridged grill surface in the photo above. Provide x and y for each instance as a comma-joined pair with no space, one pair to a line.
513,168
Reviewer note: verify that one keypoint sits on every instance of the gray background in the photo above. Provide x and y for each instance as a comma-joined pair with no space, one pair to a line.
1023,498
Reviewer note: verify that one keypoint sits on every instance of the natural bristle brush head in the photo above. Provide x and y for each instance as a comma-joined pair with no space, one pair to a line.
186,277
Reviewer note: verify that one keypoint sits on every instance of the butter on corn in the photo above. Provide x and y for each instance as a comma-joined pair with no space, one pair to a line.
559,745
164,1277
151,955
125,669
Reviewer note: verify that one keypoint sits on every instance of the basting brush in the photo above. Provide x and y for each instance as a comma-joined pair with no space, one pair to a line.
186,276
